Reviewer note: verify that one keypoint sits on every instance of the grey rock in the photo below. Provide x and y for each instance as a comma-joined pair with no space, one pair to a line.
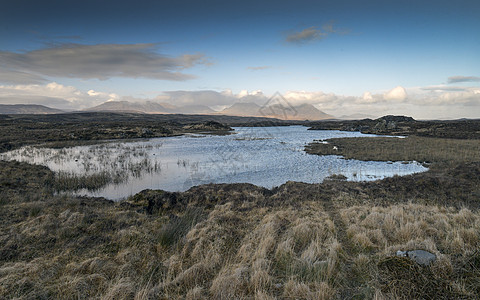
421,257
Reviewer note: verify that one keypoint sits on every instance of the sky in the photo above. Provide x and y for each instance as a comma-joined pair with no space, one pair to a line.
416,58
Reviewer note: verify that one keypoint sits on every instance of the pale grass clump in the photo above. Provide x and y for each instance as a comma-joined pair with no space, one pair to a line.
95,265
175,266
362,267
227,261
195,275
413,225
362,242
310,254
377,233
195,293
123,288
83,286
212,235
231,282
261,295
335,249
376,237
315,251
465,217
248,270
260,279
299,290
203,260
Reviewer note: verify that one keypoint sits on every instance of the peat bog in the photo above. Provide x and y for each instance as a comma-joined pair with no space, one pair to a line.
335,239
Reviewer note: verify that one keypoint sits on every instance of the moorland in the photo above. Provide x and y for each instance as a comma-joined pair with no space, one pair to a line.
331,240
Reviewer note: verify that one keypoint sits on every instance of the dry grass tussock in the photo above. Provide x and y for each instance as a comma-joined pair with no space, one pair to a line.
258,253
437,229
453,235
87,248
76,249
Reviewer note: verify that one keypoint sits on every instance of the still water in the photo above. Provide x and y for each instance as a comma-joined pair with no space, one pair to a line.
265,156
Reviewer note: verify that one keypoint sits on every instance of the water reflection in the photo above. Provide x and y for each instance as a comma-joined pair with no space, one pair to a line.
265,156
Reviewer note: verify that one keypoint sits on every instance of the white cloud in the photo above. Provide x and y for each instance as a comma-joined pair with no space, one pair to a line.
301,97
367,97
467,97
242,93
396,94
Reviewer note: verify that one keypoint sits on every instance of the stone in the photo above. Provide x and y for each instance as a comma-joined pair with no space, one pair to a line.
421,257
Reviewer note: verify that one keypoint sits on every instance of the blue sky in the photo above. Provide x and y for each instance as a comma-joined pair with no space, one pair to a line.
407,57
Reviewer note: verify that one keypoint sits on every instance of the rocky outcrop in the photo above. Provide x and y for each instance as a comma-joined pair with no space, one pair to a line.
208,126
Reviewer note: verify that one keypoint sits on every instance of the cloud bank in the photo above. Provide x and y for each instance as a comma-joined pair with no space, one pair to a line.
53,95
101,61
419,102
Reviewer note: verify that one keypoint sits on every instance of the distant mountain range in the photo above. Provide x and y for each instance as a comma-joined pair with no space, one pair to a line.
125,106
356,117
13,109
242,109
150,108
300,112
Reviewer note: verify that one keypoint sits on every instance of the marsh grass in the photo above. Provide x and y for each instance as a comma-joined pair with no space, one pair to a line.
177,227
92,167
442,152
65,181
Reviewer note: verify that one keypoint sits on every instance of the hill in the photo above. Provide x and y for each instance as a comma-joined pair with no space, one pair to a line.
150,107
243,110
300,112
310,112
14,109
356,116
126,106
193,109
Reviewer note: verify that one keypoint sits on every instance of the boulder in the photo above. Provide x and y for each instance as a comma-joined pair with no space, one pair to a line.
421,257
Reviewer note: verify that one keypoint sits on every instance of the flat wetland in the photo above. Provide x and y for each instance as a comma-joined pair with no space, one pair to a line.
264,156
331,240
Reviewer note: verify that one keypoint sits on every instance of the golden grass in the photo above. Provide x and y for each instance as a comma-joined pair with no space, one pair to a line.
241,252
387,229
378,232
220,259
413,148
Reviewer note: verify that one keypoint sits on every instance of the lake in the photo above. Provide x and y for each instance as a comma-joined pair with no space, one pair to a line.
264,156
